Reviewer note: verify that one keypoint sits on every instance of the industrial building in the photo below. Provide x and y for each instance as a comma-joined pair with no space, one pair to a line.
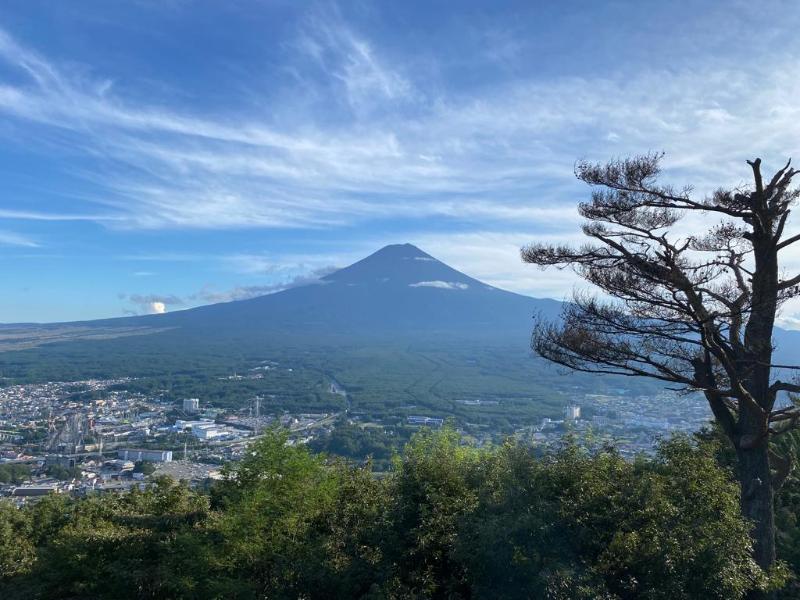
203,429
136,454
36,490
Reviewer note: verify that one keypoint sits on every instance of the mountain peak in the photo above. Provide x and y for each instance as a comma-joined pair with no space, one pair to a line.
400,264
401,251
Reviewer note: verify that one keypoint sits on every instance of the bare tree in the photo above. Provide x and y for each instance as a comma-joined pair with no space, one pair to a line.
692,309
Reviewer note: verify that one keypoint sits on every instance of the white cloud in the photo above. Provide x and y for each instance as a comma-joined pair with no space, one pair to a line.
352,61
444,285
790,321
498,161
11,238
504,156
209,295
23,215
493,258
152,304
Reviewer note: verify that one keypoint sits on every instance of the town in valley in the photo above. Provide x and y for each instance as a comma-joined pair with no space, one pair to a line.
94,436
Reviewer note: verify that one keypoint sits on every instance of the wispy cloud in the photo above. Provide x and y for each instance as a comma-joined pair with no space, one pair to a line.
282,266
473,172
24,215
492,256
352,61
209,294
442,285
502,155
11,238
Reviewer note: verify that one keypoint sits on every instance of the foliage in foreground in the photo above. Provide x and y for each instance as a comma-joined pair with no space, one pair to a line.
450,521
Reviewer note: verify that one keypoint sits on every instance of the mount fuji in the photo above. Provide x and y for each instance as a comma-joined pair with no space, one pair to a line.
386,326
397,291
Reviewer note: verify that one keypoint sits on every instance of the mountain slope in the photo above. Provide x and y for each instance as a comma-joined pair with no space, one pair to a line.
402,332
396,329
398,290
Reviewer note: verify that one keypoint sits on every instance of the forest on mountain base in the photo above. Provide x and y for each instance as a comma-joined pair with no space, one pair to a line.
382,378
447,521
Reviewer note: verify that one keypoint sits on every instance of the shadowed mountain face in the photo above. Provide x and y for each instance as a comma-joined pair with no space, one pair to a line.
398,328
398,293
399,290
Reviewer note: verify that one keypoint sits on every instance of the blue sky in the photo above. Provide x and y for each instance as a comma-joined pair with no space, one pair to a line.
183,152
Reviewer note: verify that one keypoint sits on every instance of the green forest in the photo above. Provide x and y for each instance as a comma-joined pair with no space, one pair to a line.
447,521
382,379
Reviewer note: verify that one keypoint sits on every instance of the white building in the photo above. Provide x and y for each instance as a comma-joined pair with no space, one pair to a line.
572,412
209,432
191,405
183,425
204,429
148,455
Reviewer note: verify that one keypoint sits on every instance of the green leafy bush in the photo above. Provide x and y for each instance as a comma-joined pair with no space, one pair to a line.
448,521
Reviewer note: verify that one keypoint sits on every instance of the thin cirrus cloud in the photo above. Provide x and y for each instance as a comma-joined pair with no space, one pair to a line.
23,215
11,238
366,136
351,61
501,155
280,271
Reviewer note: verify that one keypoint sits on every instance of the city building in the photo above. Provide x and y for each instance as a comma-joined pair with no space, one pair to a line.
418,420
183,425
35,490
118,465
211,432
136,455
191,405
572,412
60,460
204,429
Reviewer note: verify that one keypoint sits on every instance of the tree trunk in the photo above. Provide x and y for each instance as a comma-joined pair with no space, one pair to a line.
757,501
